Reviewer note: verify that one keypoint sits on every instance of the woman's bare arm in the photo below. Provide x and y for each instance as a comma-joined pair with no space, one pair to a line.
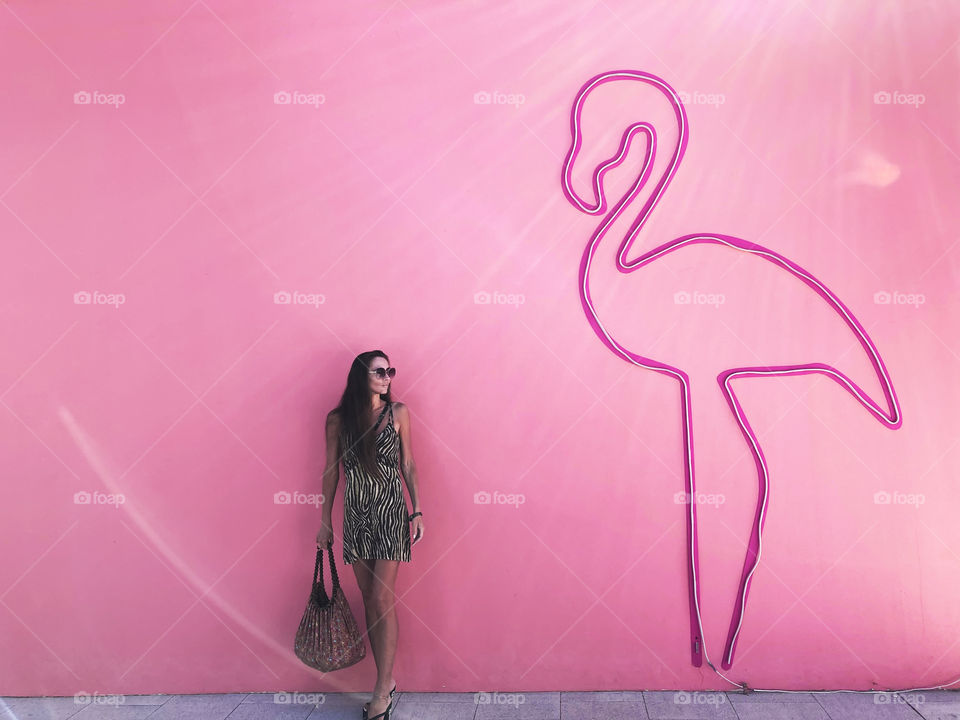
407,464
331,471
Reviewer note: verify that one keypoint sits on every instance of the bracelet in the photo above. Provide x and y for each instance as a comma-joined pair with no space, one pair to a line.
411,517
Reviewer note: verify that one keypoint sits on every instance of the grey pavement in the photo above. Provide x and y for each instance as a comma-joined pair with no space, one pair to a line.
647,705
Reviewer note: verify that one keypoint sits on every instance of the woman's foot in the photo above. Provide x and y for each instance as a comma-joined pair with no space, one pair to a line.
378,705
366,706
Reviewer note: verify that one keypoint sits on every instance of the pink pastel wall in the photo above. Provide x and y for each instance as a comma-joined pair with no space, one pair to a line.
174,171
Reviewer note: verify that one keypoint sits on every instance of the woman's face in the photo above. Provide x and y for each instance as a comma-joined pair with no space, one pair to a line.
377,384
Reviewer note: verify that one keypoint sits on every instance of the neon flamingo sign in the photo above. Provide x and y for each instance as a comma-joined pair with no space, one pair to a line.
890,416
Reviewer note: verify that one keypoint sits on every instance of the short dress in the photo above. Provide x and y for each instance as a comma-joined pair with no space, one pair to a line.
375,516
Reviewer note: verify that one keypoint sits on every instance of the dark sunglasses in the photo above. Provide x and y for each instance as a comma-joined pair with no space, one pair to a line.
384,372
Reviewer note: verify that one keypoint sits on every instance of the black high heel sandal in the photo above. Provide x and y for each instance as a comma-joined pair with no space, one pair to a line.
366,706
385,714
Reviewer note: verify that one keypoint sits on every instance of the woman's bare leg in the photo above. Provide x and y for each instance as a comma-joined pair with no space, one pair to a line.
368,582
385,632
363,569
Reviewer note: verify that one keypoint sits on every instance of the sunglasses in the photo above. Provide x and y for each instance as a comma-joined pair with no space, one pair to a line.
383,372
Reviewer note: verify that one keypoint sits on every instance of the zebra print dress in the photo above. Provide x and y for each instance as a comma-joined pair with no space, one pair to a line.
375,524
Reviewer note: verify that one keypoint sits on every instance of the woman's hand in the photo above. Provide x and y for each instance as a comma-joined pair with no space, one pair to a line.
416,529
324,535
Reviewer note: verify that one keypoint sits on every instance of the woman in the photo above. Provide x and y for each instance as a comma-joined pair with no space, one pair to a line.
376,529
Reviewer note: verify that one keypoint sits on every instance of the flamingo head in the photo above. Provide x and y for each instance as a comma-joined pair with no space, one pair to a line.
611,107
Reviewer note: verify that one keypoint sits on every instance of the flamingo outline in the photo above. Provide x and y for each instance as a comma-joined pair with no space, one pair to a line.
893,420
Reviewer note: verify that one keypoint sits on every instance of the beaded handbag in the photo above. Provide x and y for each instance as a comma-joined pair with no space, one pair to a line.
328,638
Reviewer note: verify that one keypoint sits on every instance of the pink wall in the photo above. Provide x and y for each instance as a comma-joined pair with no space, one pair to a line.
185,388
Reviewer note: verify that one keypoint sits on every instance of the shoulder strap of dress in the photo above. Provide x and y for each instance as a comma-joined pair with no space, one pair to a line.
388,406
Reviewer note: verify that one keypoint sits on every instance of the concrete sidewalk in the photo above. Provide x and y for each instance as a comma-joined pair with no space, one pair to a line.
652,705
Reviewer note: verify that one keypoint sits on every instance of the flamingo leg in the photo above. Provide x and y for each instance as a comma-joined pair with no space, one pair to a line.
693,562
752,558
892,420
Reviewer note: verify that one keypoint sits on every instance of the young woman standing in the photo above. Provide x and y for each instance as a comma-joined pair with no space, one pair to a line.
377,528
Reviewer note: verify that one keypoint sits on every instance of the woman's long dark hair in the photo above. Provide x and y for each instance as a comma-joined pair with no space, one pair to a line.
354,410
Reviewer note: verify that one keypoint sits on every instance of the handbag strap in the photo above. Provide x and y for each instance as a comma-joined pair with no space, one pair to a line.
319,590
333,572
